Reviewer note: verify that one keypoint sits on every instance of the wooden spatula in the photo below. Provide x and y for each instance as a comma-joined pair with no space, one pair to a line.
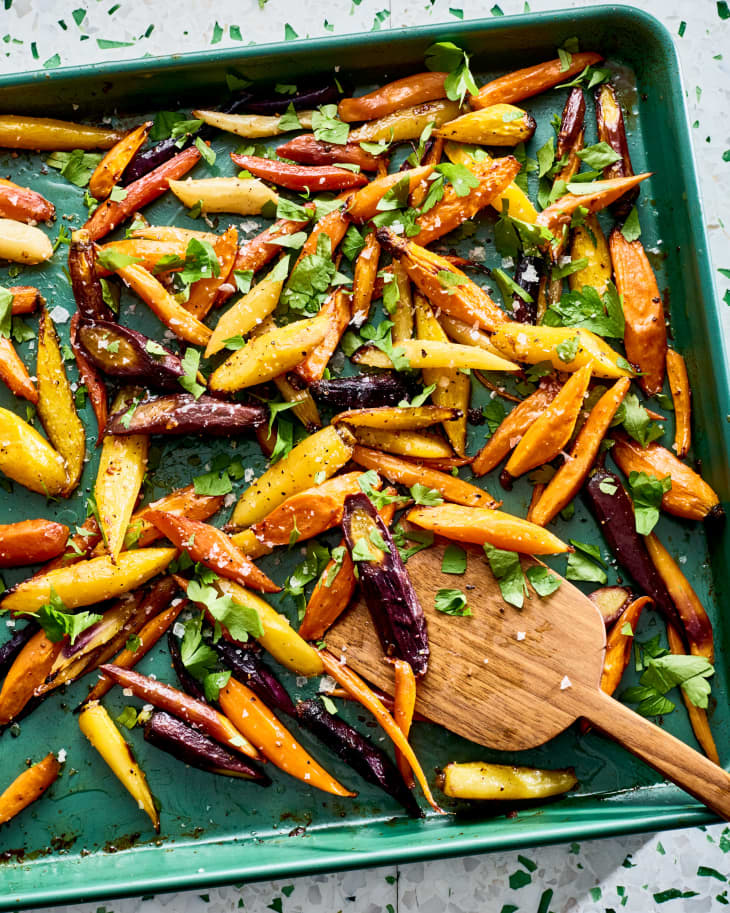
513,678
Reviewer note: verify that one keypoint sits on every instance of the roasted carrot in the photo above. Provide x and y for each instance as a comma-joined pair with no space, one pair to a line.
570,135
338,308
697,715
611,130
91,379
254,719
211,546
682,399
434,154
334,224
204,292
363,283
537,492
494,177
28,787
567,481
30,669
481,525
14,373
689,497
333,591
139,193
532,80
300,177
365,696
460,298
695,621
183,502
26,299
147,637
404,703
79,546
147,252
110,168
182,323
364,203
559,214
549,433
619,645
31,541
411,90
645,335
308,150
23,204
181,705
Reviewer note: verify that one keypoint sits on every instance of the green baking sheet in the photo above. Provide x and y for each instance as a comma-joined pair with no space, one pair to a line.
86,839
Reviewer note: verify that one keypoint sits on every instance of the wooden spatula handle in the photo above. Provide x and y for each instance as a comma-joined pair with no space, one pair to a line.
689,769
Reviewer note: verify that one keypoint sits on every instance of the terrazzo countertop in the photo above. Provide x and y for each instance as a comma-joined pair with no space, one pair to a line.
685,870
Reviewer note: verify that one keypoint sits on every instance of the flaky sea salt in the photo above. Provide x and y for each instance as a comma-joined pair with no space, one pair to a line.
566,683
520,635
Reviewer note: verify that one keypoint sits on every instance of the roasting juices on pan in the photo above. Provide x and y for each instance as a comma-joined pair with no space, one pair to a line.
345,345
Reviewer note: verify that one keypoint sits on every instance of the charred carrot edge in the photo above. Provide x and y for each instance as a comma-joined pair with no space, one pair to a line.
682,399
14,373
695,620
363,283
532,80
406,473
110,168
29,786
29,670
403,93
204,292
26,299
128,659
112,213
91,379
261,727
697,715
567,481
404,703
364,695
645,335
333,591
618,645
313,367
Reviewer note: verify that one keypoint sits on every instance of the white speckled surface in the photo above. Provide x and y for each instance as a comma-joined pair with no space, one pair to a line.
593,877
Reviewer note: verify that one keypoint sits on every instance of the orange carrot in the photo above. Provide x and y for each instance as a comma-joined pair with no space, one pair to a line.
403,93
14,373
334,224
139,193
363,283
204,292
365,696
28,672
110,168
211,546
183,502
697,715
146,251
404,703
364,203
532,80
559,214
338,308
26,299
31,541
23,204
567,481
260,726
28,787
682,399
619,644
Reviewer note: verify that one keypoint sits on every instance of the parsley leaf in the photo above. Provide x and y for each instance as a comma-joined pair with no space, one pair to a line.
631,229
446,56
422,538
425,496
239,620
6,312
113,260
289,120
582,563
191,363
585,308
452,602
76,166
382,338
666,672
338,557
197,657
598,156
543,581
635,419
507,569
647,492
309,282
449,280
568,349
212,483
494,412
360,551
327,126
58,623
462,180
454,560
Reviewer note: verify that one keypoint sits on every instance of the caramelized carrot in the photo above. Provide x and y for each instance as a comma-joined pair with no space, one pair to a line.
14,373
147,252
204,292
364,204
147,637
404,703
31,541
23,204
645,335
433,156
403,93
30,669
532,80
139,193
254,719
28,787
363,283
559,214
26,299
183,502
337,307
619,645
697,715
513,427
682,399
567,481
547,436
334,224
110,168
211,546
365,696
